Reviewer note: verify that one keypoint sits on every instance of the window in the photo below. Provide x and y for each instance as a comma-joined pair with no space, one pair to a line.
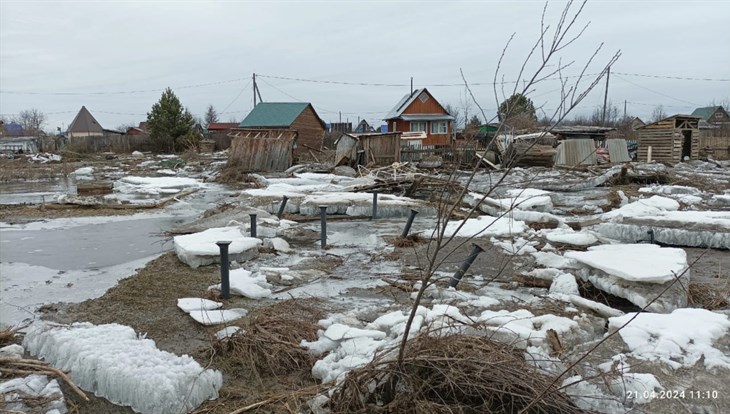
718,114
439,127
423,97
418,127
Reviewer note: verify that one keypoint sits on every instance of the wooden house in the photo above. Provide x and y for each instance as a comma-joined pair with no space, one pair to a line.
295,116
363,149
261,150
670,140
712,114
84,125
419,111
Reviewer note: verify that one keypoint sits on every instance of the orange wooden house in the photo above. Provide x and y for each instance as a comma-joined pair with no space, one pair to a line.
419,111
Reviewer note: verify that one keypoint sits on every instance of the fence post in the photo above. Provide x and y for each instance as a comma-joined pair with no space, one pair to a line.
225,283
323,222
375,205
253,225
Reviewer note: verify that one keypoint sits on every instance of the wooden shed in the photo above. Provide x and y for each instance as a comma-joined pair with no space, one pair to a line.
297,116
671,140
363,149
261,150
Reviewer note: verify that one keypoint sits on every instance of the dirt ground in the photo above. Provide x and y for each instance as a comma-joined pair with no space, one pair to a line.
24,213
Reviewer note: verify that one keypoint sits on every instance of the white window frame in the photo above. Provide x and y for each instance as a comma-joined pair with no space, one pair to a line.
439,127
416,126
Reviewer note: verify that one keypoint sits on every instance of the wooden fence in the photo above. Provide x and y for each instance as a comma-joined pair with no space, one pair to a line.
453,153
261,150
109,143
716,147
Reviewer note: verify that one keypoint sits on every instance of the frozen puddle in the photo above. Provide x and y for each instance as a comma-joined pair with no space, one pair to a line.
116,363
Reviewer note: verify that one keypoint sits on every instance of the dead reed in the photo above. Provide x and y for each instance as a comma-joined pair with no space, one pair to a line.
451,374
709,296
269,341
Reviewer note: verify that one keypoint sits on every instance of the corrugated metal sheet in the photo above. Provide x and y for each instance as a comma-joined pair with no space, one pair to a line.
574,152
617,150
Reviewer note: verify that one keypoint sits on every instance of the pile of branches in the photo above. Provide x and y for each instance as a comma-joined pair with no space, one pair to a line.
268,343
15,368
405,180
451,374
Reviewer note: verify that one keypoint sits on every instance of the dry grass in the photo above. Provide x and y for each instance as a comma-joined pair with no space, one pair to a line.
709,296
235,175
452,374
268,343
8,336
408,241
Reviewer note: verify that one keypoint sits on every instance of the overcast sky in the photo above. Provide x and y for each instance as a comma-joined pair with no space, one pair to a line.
117,57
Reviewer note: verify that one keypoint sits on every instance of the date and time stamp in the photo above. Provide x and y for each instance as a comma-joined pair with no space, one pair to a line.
675,394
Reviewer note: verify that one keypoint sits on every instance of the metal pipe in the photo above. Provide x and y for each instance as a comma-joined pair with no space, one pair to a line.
407,229
375,205
282,207
651,235
225,283
253,225
475,250
323,221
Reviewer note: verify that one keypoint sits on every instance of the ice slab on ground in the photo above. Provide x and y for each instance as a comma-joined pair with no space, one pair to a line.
252,286
564,283
678,236
485,226
155,185
644,207
200,249
32,394
647,263
114,362
679,339
13,351
576,239
217,316
191,304
227,332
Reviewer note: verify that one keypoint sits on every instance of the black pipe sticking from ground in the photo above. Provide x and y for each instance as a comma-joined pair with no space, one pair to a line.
323,221
407,229
253,225
225,281
282,207
475,250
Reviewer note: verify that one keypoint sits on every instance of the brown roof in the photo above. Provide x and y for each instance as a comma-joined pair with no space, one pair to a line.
222,126
84,122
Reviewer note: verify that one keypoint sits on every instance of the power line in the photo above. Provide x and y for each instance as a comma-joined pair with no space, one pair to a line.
199,85
672,77
236,98
657,92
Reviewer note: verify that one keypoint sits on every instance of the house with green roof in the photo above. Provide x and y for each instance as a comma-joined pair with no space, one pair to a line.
296,116
712,114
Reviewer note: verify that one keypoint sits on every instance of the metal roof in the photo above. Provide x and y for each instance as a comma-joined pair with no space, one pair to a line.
403,104
274,114
706,112
84,122
427,117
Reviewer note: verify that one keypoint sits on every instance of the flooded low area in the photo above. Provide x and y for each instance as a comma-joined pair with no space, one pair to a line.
35,192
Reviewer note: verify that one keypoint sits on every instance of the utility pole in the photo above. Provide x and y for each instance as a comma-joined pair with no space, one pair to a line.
256,91
624,109
605,97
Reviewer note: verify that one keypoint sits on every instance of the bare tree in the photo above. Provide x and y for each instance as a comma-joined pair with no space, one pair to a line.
544,54
32,120
455,111
211,116
658,114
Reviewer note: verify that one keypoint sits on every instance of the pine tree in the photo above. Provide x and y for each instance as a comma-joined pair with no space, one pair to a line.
170,125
